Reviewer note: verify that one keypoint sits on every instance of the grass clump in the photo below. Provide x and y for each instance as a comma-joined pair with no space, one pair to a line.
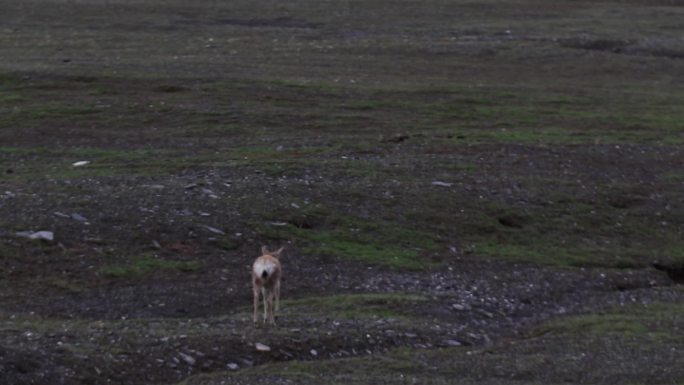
357,305
546,252
655,322
227,243
377,243
146,264
8,251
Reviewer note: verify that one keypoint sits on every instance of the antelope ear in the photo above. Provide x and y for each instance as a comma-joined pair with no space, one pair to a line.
264,250
277,252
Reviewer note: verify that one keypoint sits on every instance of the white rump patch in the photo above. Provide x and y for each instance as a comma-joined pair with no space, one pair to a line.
262,265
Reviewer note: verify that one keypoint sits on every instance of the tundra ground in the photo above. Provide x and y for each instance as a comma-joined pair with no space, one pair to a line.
476,192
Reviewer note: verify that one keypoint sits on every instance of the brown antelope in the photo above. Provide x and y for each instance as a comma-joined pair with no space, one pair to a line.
266,272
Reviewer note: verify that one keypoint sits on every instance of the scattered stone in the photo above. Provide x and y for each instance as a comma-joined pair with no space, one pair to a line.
210,193
79,218
187,358
233,366
441,184
458,307
191,186
156,245
61,215
42,235
261,347
215,230
452,343
81,163
277,223
314,352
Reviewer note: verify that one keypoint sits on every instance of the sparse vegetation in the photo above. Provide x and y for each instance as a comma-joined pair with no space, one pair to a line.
356,239
391,305
146,264
654,323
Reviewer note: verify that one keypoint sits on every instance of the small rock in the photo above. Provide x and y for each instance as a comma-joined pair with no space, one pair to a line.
314,352
441,184
61,215
187,358
458,307
43,235
210,193
261,347
81,163
215,230
233,366
452,343
79,218
277,223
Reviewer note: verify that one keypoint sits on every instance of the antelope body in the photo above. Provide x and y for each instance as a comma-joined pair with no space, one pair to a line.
266,272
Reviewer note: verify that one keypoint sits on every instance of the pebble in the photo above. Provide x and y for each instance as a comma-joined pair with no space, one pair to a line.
441,184
215,230
44,235
261,347
187,358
